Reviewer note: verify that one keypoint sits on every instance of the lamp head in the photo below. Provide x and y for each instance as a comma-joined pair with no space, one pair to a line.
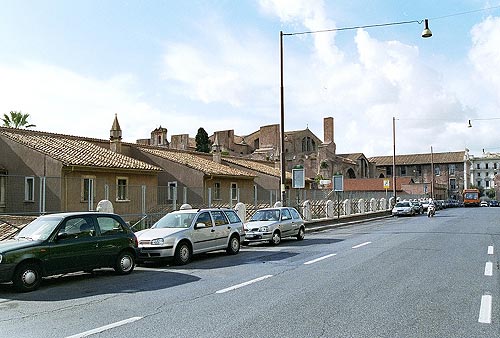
470,125
426,33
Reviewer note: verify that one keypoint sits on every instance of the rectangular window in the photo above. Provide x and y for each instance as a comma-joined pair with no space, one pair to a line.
172,190
437,171
403,171
87,188
418,170
486,165
477,166
487,184
29,189
122,189
478,183
452,169
495,165
234,191
453,184
217,190
388,170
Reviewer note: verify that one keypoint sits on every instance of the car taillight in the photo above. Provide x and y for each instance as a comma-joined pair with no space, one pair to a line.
136,242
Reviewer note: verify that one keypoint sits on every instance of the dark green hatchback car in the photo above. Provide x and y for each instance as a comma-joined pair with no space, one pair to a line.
67,242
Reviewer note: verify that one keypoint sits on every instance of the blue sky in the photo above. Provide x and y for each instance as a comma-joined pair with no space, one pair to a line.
215,64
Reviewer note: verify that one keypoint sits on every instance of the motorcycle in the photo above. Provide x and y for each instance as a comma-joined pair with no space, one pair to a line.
431,210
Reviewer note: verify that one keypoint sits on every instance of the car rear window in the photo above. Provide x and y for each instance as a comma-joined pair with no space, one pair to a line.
232,216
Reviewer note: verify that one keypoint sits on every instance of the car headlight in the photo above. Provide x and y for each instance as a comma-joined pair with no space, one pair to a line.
264,229
157,241
1,258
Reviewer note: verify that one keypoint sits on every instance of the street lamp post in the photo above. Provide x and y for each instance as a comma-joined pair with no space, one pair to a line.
426,33
394,158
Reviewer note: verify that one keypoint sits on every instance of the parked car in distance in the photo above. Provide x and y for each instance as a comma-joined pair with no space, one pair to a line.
425,204
484,204
181,234
67,242
273,224
494,203
403,208
417,206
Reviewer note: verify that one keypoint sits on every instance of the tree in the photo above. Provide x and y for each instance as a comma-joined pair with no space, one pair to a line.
16,119
203,143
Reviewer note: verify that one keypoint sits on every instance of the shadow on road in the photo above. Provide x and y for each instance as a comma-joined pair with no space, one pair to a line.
100,282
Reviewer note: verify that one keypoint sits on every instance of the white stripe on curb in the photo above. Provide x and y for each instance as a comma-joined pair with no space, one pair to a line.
104,328
243,284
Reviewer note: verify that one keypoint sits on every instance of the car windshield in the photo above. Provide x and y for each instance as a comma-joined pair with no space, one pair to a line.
266,215
40,229
175,220
403,204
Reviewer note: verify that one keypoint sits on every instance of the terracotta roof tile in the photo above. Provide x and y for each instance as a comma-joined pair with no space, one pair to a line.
74,151
258,166
450,157
190,159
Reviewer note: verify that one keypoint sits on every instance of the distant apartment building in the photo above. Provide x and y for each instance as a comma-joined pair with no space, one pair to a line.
484,169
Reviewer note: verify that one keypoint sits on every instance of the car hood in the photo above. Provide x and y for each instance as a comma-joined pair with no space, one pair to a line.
153,233
258,224
13,244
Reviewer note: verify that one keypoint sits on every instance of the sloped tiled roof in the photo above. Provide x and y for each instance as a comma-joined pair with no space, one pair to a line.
450,157
353,157
191,160
74,151
373,184
257,166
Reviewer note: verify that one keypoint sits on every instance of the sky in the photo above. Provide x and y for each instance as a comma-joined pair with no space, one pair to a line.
185,65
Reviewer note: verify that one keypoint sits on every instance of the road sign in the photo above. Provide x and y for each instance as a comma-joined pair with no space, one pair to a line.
387,184
338,182
298,179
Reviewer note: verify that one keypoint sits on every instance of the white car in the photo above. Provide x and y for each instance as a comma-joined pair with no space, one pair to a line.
183,233
404,208
272,224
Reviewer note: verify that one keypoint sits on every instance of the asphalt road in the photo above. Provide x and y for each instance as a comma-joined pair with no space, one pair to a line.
396,277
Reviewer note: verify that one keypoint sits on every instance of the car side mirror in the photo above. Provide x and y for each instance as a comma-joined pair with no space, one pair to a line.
200,225
61,236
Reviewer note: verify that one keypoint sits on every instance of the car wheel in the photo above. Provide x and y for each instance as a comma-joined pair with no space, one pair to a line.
234,245
276,239
125,263
301,234
27,277
182,253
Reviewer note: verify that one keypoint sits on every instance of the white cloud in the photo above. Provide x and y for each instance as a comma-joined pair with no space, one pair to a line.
62,101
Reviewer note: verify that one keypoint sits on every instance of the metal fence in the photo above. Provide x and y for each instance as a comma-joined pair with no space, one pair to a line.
143,205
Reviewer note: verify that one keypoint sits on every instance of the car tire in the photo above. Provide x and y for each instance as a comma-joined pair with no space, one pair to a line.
27,277
182,254
125,263
234,245
301,234
276,239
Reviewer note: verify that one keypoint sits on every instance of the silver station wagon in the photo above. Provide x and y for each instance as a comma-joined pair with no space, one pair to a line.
180,234
272,224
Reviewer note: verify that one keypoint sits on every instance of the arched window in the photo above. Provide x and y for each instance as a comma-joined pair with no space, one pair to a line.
308,144
350,173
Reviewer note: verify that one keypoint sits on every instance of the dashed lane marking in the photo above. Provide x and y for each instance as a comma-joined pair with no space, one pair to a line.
488,269
490,250
319,259
485,310
234,287
105,328
360,245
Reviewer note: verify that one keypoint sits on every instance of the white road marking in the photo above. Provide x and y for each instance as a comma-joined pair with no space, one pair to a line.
105,328
234,287
485,311
488,269
360,245
319,259
490,250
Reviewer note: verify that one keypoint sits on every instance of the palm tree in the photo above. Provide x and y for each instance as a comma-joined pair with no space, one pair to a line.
16,120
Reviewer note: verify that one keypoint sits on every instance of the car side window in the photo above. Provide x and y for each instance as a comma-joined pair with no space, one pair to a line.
285,215
219,218
295,214
77,227
109,226
232,216
204,218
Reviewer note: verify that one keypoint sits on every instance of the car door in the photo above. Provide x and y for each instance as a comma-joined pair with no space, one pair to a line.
112,239
203,237
74,246
222,228
286,223
297,221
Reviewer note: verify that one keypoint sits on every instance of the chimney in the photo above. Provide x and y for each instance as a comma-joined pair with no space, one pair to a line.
115,136
216,152
328,130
